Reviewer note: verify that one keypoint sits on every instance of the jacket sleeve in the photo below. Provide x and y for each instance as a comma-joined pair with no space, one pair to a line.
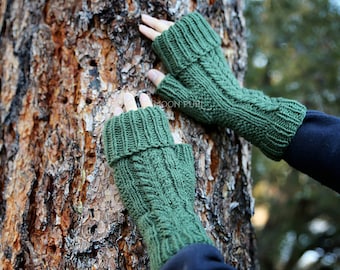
315,148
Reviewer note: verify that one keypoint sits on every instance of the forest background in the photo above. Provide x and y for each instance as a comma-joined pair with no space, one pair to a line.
294,52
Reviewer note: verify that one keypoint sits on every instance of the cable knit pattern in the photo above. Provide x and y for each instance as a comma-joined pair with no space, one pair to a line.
156,181
206,89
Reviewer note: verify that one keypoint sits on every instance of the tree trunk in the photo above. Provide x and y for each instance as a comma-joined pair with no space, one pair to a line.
63,66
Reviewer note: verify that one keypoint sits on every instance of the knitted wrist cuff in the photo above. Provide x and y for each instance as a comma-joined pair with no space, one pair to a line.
268,123
135,131
281,128
184,42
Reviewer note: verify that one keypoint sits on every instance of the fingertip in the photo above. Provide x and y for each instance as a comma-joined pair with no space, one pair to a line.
168,23
145,100
145,17
148,32
129,102
128,96
142,29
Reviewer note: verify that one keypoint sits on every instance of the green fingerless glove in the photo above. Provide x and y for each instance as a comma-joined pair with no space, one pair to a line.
203,86
156,181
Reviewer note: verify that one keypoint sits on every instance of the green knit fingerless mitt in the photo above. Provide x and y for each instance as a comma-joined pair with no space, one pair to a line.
156,181
202,85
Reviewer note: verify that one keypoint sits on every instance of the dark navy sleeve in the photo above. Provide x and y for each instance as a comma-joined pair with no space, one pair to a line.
197,257
315,149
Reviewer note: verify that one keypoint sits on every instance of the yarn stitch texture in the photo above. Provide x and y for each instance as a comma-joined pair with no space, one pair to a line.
156,181
199,74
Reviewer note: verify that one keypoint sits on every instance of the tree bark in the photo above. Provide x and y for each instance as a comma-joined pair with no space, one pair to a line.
63,66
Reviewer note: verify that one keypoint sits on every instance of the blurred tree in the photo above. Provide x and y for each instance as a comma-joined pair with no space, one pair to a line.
293,49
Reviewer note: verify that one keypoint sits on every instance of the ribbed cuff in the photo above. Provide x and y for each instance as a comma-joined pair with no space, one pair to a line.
268,123
135,131
184,42
282,127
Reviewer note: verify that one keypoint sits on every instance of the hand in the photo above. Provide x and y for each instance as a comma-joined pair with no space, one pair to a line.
130,103
154,28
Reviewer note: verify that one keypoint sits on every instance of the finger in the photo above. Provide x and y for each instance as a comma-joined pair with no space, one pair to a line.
168,23
117,111
158,25
148,32
145,101
129,102
155,76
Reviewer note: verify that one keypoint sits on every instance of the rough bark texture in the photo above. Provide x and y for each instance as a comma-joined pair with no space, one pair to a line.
63,66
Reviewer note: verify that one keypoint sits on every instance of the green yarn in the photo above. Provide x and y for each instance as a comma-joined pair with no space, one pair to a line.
185,42
156,181
202,84
135,131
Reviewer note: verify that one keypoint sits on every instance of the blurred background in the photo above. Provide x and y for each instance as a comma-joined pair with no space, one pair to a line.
294,52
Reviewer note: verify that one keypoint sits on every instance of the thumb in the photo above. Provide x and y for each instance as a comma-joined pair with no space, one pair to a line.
155,76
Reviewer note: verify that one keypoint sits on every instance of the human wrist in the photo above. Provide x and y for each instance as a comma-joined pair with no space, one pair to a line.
282,127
